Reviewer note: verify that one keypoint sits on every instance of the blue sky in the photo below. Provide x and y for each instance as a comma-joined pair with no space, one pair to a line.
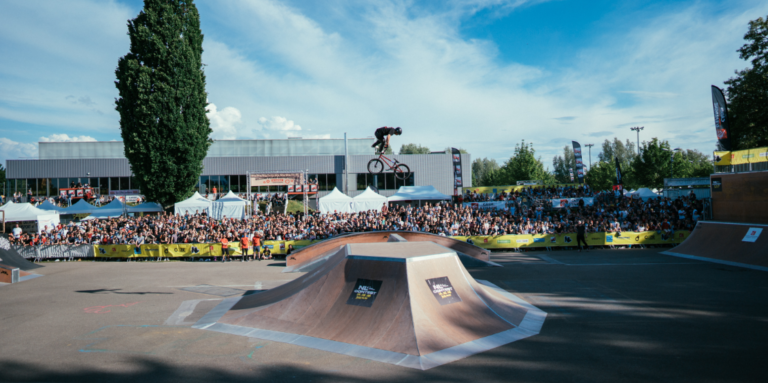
478,74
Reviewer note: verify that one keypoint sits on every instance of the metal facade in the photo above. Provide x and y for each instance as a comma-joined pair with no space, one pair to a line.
428,169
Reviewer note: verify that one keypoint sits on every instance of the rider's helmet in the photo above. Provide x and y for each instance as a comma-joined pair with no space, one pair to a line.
398,131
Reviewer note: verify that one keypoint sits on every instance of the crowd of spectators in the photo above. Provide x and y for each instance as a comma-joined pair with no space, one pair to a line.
607,214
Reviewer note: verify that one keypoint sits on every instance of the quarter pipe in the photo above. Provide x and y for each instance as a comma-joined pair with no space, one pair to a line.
736,244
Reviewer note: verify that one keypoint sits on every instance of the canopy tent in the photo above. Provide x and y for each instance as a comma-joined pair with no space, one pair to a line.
17,212
418,193
336,201
369,200
146,207
230,206
81,207
112,209
47,205
192,205
643,193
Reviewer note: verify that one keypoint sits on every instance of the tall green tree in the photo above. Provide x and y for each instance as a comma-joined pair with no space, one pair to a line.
624,151
523,165
414,149
748,91
162,100
484,172
656,162
563,165
601,176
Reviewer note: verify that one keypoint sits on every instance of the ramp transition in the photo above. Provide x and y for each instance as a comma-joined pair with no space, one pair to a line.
735,244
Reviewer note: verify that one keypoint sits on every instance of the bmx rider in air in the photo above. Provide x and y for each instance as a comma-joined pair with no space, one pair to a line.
381,143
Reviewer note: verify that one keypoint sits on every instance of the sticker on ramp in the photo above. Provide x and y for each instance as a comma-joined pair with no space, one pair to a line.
443,290
752,234
364,293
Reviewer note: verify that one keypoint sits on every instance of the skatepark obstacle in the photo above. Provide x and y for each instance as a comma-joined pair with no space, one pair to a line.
735,244
411,304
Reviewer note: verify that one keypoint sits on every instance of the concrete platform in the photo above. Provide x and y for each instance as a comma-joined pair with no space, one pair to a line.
613,315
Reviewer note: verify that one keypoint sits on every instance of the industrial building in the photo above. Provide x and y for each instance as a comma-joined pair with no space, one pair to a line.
103,165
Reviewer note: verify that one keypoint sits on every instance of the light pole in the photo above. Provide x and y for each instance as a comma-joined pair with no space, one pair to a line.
638,129
590,154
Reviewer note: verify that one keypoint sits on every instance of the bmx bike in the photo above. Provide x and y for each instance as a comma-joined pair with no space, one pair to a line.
377,165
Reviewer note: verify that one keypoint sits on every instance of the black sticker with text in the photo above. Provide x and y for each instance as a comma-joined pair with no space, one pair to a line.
443,290
364,293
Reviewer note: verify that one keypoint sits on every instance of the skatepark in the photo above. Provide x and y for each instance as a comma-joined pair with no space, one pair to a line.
610,315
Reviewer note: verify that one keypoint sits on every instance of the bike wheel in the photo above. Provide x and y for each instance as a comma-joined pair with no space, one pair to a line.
375,166
402,172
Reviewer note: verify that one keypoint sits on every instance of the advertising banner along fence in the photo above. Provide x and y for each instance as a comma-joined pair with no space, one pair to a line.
572,202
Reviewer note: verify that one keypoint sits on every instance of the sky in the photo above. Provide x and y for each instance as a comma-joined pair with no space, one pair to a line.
482,75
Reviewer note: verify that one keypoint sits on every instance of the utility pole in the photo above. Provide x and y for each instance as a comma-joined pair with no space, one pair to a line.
590,154
638,129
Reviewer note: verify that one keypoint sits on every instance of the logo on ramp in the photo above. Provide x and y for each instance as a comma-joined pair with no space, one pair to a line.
443,290
364,293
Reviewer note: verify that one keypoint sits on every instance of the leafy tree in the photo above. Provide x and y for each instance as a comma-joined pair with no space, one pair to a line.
625,152
414,149
748,91
562,165
162,100
601,176
655,163
523,165
484,172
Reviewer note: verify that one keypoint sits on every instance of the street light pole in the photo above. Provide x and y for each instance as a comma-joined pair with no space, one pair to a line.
638,129
590,154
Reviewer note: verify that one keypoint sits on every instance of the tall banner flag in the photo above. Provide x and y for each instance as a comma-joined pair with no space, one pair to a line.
721,118
618,171
456,170
579,162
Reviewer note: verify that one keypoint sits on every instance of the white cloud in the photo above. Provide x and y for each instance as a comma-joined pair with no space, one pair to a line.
223,123
10,150
65,138
278,123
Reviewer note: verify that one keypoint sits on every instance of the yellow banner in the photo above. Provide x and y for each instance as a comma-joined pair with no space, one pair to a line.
486,242
725,158
758,155
508,188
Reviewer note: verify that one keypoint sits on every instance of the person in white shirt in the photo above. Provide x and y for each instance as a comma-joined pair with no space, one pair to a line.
16,231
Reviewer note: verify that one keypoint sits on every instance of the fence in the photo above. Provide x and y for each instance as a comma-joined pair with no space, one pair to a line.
184,250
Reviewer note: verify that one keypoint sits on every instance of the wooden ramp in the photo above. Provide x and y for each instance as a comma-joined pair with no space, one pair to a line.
735,244
407,303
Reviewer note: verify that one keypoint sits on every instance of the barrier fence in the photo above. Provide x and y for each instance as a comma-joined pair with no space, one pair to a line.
181,250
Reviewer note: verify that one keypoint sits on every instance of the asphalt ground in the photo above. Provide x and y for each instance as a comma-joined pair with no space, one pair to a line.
613,316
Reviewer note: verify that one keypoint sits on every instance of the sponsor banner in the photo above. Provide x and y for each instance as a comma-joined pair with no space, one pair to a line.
572,202
645,238
125,192
721,117
722,158
499,205
456,162
117,251
364,292
273,181
510,188
290,188
55,251
619,177
569,239
752,234
579,161
717,184
758,155
443,290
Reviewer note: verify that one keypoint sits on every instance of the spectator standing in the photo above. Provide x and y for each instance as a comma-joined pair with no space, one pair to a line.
224,248
245,245
580,229
29,195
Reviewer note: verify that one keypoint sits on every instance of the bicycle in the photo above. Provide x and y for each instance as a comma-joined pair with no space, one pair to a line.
376,165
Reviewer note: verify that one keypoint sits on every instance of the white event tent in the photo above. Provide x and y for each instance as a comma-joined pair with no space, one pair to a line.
81,207
369,200
336,201
643,193
146,207
18,212
418,193
230,206
192,205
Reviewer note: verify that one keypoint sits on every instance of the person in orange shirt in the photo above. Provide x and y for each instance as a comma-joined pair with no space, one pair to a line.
257,246
245,244
224,248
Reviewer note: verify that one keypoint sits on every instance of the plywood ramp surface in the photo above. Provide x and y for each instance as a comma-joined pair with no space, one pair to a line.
724,242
